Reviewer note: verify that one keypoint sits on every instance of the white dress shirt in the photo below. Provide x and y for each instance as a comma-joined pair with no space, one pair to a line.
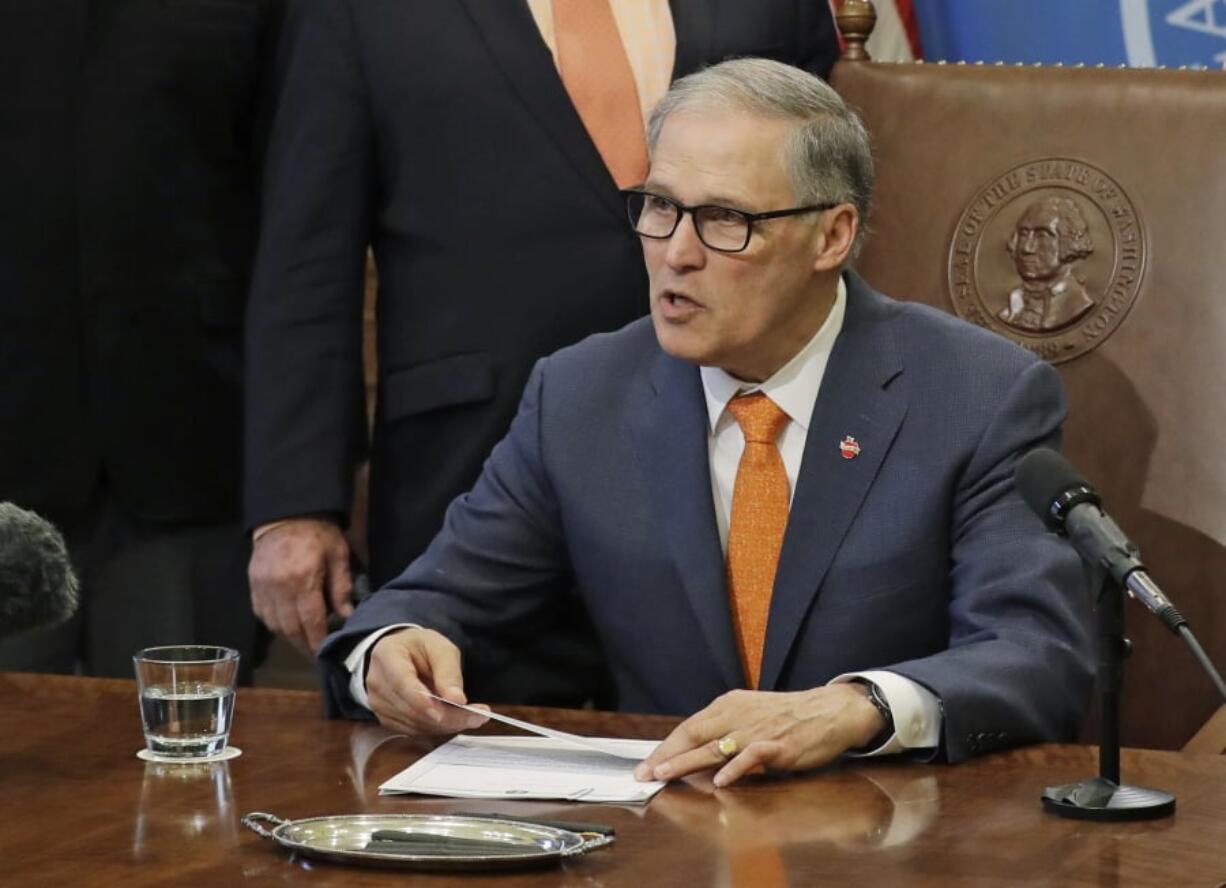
794,388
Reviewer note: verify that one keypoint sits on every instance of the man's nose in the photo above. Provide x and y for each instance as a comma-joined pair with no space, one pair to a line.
685,249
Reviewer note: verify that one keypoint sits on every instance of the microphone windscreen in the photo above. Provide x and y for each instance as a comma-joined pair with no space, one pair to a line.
37,585
1041,477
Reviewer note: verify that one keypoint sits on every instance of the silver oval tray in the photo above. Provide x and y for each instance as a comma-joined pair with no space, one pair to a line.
425,841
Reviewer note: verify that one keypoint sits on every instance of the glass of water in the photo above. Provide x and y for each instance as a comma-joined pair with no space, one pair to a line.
186,698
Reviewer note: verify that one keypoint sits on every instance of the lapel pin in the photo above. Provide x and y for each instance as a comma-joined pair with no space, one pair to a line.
849,447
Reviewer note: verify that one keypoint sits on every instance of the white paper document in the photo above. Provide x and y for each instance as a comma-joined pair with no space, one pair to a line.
609,747
530,768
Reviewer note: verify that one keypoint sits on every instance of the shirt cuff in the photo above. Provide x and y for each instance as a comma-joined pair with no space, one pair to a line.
356,662
916,711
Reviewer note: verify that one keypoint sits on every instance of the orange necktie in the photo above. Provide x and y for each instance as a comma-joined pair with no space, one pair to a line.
598,77
759,517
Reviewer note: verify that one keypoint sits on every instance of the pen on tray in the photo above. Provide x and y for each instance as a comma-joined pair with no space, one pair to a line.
576,826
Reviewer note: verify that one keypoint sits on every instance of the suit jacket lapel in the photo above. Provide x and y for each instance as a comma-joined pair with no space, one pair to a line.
694,23
853,401
669,430
513,39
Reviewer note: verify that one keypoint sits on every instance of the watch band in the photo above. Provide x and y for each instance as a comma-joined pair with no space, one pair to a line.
877,698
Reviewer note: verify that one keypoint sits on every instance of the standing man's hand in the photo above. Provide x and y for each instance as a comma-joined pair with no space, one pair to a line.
405,666
760,730
294,566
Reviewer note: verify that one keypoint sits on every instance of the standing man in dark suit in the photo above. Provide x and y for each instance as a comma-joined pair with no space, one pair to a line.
129,161
478,147
785,500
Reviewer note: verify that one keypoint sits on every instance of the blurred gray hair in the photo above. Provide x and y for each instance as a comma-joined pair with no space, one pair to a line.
828,153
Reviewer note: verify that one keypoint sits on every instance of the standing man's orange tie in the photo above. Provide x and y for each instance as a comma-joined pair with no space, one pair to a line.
760,499
600,81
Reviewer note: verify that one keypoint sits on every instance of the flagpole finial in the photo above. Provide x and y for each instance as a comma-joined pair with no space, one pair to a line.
856,19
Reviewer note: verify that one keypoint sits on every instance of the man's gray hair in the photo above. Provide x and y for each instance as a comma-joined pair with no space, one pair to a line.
828,153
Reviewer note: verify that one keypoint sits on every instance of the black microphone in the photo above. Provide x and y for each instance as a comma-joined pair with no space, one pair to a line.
1069,505
37,585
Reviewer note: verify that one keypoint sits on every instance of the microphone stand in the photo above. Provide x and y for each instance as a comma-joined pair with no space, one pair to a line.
1103,797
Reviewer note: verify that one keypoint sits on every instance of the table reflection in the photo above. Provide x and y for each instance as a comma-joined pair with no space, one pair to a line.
365,739
184,802
859,811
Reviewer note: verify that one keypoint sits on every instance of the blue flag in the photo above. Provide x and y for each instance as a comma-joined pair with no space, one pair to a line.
1112,32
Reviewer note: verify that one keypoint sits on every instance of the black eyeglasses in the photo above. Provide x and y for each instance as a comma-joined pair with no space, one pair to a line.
721,228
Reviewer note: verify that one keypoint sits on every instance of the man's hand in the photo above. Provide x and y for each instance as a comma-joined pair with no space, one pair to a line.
293,566
404,666
780,731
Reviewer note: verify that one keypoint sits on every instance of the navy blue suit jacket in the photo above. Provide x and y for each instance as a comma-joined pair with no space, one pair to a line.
916,556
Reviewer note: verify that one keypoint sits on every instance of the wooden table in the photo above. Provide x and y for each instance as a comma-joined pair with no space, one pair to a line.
80,809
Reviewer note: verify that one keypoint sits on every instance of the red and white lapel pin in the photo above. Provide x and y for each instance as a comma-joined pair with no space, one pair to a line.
849,447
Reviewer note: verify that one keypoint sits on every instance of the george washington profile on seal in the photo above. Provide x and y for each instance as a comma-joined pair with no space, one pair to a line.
1048,240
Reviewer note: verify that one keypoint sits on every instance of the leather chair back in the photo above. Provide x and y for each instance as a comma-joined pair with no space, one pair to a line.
1082,213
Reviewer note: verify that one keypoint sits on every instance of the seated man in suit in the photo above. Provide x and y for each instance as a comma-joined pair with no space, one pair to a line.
785,500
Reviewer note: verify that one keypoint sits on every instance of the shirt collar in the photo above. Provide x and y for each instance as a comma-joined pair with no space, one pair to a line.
793,386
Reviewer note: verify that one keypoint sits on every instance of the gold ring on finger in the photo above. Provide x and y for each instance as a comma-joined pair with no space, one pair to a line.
727,746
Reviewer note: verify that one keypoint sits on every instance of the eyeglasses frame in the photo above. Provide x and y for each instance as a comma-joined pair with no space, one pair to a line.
750,218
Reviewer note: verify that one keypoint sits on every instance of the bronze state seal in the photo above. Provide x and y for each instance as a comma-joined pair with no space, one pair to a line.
1049,254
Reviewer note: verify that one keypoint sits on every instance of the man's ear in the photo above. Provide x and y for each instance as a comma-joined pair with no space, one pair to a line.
837,234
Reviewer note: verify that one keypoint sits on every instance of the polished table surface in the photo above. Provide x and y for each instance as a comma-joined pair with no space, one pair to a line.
81,809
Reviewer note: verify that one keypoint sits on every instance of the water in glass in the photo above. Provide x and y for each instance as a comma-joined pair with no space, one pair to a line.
187,719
